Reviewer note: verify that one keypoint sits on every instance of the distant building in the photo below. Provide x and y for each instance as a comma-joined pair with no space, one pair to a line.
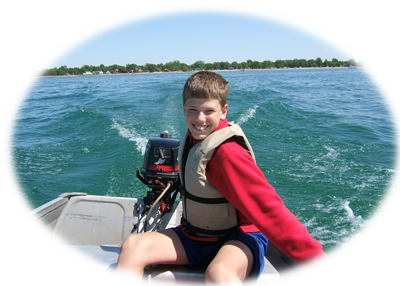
115,71
87,72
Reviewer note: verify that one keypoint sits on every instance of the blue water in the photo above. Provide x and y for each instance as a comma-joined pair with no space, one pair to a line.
324,138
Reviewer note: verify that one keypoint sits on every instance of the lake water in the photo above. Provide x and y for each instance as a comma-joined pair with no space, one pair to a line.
324,138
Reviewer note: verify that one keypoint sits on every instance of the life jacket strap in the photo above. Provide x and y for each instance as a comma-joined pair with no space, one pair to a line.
196,231
212,201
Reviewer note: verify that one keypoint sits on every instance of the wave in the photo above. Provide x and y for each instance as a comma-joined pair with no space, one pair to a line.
131,135
343,222
247,115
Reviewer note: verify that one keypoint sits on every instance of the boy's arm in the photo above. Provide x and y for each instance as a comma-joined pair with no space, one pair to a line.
233,172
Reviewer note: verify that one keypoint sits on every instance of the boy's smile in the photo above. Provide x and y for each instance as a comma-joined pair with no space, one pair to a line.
203,116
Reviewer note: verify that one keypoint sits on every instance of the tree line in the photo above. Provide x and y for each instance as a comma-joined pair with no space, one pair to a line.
199,65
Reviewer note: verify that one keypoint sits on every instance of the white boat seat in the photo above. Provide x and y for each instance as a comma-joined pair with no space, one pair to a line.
97,226
78,259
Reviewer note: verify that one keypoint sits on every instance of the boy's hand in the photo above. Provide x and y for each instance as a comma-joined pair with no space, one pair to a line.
325,268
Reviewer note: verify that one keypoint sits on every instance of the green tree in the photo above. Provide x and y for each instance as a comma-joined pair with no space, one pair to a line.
209,66
131,66
235,65
279,64
352,62
86,67
267,64
312,63
122,69
184,67
319,62
199,64
162,67
150,67
244,65
224,65
176,65
287,63
264,64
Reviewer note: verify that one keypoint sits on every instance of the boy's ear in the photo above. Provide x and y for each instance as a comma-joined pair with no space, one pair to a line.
224,111
184,108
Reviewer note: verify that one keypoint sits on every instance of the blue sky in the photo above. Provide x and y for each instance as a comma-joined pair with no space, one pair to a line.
208,37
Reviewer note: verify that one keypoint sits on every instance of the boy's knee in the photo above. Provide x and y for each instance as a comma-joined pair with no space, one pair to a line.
220,273
131,244
128,241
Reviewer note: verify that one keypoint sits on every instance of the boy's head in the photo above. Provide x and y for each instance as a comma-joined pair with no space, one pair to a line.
204,103
206,85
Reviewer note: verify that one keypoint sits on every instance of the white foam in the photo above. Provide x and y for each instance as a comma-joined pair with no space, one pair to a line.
310,223
350,212
247,115
332,153
131,135
391,171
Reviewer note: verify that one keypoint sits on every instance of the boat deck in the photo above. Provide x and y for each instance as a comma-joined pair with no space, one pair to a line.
97,226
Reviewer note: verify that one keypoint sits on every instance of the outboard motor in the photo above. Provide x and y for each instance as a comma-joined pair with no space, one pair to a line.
160,169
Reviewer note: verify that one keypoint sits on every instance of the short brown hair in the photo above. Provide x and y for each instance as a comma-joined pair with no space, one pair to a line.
207,85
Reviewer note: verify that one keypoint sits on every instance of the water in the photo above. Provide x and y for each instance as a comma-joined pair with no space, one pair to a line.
323,138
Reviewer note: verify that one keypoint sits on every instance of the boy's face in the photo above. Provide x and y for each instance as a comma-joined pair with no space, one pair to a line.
203,116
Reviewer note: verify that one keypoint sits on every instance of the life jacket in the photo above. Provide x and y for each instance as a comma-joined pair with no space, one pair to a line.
206,213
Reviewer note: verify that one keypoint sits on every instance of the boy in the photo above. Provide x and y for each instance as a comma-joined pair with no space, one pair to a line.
229,209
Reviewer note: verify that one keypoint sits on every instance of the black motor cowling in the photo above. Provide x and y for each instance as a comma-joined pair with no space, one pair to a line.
160,165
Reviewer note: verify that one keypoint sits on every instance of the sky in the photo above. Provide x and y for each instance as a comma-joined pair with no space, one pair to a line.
189,37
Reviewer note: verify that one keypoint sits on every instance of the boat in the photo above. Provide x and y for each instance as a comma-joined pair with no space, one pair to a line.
97,225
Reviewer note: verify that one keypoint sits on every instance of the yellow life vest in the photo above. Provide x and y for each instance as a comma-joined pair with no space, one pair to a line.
206,212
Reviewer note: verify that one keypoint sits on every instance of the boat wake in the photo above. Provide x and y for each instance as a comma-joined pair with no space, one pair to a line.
131,135
247,115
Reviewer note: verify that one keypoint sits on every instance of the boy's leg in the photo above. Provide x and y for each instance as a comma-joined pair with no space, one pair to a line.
143,249
232,264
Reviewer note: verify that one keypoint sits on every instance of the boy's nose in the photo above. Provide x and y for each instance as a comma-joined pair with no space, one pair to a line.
201,117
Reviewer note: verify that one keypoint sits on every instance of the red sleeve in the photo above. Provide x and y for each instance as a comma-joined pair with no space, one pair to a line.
233,172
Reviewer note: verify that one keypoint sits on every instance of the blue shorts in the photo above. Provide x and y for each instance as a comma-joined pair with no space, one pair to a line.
200,254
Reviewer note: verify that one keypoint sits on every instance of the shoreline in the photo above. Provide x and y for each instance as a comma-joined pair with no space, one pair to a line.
232,70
